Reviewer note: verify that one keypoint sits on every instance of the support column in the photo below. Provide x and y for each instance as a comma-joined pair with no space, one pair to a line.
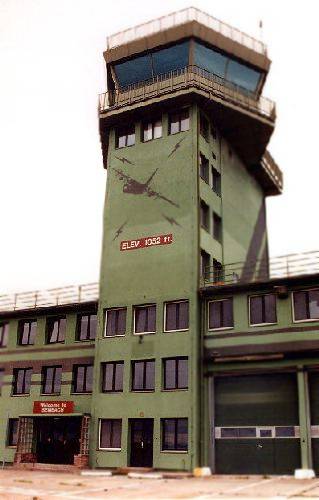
304,419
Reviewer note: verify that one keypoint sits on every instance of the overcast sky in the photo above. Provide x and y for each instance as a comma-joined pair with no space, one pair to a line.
51,175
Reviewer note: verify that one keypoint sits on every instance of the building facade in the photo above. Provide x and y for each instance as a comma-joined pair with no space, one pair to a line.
196,350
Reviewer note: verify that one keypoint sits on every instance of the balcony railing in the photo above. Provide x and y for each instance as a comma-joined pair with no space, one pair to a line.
285,266
214,86
181,17
52,297
272,169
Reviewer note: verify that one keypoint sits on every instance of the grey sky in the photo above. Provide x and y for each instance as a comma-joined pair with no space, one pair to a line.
51,176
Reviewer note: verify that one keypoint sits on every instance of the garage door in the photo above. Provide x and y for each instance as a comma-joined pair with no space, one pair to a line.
256,424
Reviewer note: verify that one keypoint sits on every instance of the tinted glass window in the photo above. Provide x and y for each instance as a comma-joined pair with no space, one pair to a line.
217,227
242,75
145,319
204,215
170,59
204,126
115,322
110,433
216,181
176,316
204,264
133,71
210,60
204,168
221,314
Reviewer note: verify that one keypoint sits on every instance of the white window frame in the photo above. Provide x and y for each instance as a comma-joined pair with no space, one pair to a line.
135,307
222,328
309,320
100,422
105,322
175,302
261,324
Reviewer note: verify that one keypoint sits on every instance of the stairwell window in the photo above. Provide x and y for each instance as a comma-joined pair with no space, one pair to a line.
220,314
125,136
56,327
217,227
27,331
21,381
145,319
86,327
262,309
152,130
176,316
306,305
4,334
178,121
216,182
115,322
204,168
204,215
112,376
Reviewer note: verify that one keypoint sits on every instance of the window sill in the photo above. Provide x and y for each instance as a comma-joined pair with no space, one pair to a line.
109,449
262,324
81,393
113,336
112,392
20,395
24,345
175,390
179,132
11,446
126,146
222,329
78,341
144,333
174,331
174,452
57,394
310,320
145,391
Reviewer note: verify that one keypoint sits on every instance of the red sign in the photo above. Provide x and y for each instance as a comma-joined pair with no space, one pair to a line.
148,241
53,407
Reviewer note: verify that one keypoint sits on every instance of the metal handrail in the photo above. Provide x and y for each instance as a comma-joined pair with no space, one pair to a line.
181,17
259,270
72,294
188,76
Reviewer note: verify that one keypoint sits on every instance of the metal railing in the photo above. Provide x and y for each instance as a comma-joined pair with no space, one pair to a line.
272,169
285,266
53,297
189,76
181,17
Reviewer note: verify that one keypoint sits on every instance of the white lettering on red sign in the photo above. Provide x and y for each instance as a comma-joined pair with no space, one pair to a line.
148,241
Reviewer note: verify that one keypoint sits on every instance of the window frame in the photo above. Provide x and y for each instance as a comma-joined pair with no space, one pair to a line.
21,329
15,379
179,113
117,136
106,311
177,359
103,370
9,432
221,328
51,319
164,318
78,326
75,371
152,122
307,320
44,377
134,319
99,434
175,450
144,361
249,309
4,329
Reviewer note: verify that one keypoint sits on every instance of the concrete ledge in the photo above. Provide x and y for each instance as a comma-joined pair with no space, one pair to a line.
304,474
97,473
146,475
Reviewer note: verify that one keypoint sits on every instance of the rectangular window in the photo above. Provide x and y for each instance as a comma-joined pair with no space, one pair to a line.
176,316
174,434
4,334
21,381
145,319
115,322
152,130
204,264
112,376
86,327
216,185
204,215
143,375
13,428
82,379
204,127
56,330
51,379
220,314
110,434
262,309
204,168
175,373
306,305
217,227
26,332
179,121
125,136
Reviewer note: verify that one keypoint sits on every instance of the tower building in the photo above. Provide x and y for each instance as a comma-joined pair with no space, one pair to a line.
195,349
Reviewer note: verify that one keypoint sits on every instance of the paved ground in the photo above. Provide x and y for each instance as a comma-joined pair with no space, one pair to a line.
27,485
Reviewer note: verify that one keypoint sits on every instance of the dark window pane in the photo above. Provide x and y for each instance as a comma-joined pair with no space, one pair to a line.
265,433
169,434
270,308
56,330
33,332
247,432
182,434
118,384
171,316
92,326
204,264
204,127
105,434
13,426
285,431
84,327
300,305
133,71
108,369
256,310
57,380
110,433
89,379
228,319
209,59
83,378
204,168
175,57
313,304
242,75
183,373
215,315
1,379
217,227
116,435
216,181
204,213
170,381
138,376
150,376
183,315
145,319
175,434
4,332
229,432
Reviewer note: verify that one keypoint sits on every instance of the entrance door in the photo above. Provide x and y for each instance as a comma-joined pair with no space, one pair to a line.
58,439
141,442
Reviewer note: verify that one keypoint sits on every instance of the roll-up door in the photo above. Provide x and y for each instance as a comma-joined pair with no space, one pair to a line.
256,424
